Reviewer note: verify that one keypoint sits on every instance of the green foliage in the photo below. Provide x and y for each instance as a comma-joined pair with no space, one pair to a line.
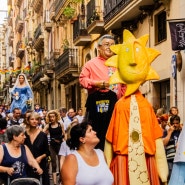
65,44
69,12
95,16
35,68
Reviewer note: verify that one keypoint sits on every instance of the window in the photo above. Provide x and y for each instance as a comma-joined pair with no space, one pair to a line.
165,94
162,94
160,25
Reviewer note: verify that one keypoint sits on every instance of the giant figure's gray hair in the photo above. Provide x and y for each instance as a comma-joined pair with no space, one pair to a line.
105,37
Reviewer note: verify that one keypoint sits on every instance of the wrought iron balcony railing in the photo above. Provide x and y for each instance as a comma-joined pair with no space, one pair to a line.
47,21
19,24
80,34
66,66
20,49
58,5
111,8
37,4
37,76
37,32
95,22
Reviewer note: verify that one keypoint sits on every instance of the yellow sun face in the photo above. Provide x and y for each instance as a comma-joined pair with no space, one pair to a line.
132,61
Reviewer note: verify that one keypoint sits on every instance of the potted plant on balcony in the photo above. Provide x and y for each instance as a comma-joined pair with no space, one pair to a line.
95,16
65,44
35,68
69,12
70,9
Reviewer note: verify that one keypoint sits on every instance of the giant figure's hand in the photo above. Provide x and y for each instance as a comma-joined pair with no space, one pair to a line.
160,157
108,152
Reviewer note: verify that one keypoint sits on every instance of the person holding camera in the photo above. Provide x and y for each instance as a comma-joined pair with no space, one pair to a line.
170,138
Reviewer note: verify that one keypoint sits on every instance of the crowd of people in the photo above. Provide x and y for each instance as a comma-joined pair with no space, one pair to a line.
40,135
45,134
171,126
36,142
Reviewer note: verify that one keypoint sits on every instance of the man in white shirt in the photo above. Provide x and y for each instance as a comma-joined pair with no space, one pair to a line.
16,118
64,118
80,115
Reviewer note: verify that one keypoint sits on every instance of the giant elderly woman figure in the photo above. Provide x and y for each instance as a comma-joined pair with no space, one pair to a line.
22,94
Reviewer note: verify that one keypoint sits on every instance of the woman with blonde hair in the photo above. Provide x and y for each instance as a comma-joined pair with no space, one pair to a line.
57,133
37,142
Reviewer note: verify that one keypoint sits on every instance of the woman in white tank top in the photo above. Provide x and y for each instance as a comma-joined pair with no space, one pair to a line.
86,165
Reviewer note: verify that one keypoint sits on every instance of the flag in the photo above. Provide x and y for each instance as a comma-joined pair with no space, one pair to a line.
16,71
173,65
7,71
26,69
177,31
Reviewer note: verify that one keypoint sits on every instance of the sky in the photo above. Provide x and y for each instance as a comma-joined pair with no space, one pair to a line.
3,6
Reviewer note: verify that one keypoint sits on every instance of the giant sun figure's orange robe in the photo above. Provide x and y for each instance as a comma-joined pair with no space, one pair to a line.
118,134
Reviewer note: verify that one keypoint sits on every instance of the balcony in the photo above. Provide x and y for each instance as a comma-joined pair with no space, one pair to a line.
66,66
36,77
80,34
55,54
47,21
37,5
49,68
10,39
19,24
52,11
20,49
26,14
10,18
10,21
18,2
38,41
11,61
59,4
95,22
117,12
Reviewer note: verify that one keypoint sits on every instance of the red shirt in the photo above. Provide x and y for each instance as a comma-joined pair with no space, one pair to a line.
94,71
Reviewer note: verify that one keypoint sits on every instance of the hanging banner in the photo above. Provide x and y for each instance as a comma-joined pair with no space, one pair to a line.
177,31
173,66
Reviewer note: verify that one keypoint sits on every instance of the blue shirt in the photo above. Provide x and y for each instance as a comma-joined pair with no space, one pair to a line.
18,163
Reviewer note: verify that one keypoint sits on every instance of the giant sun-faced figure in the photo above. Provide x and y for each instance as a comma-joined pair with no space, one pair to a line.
134,148
133,61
